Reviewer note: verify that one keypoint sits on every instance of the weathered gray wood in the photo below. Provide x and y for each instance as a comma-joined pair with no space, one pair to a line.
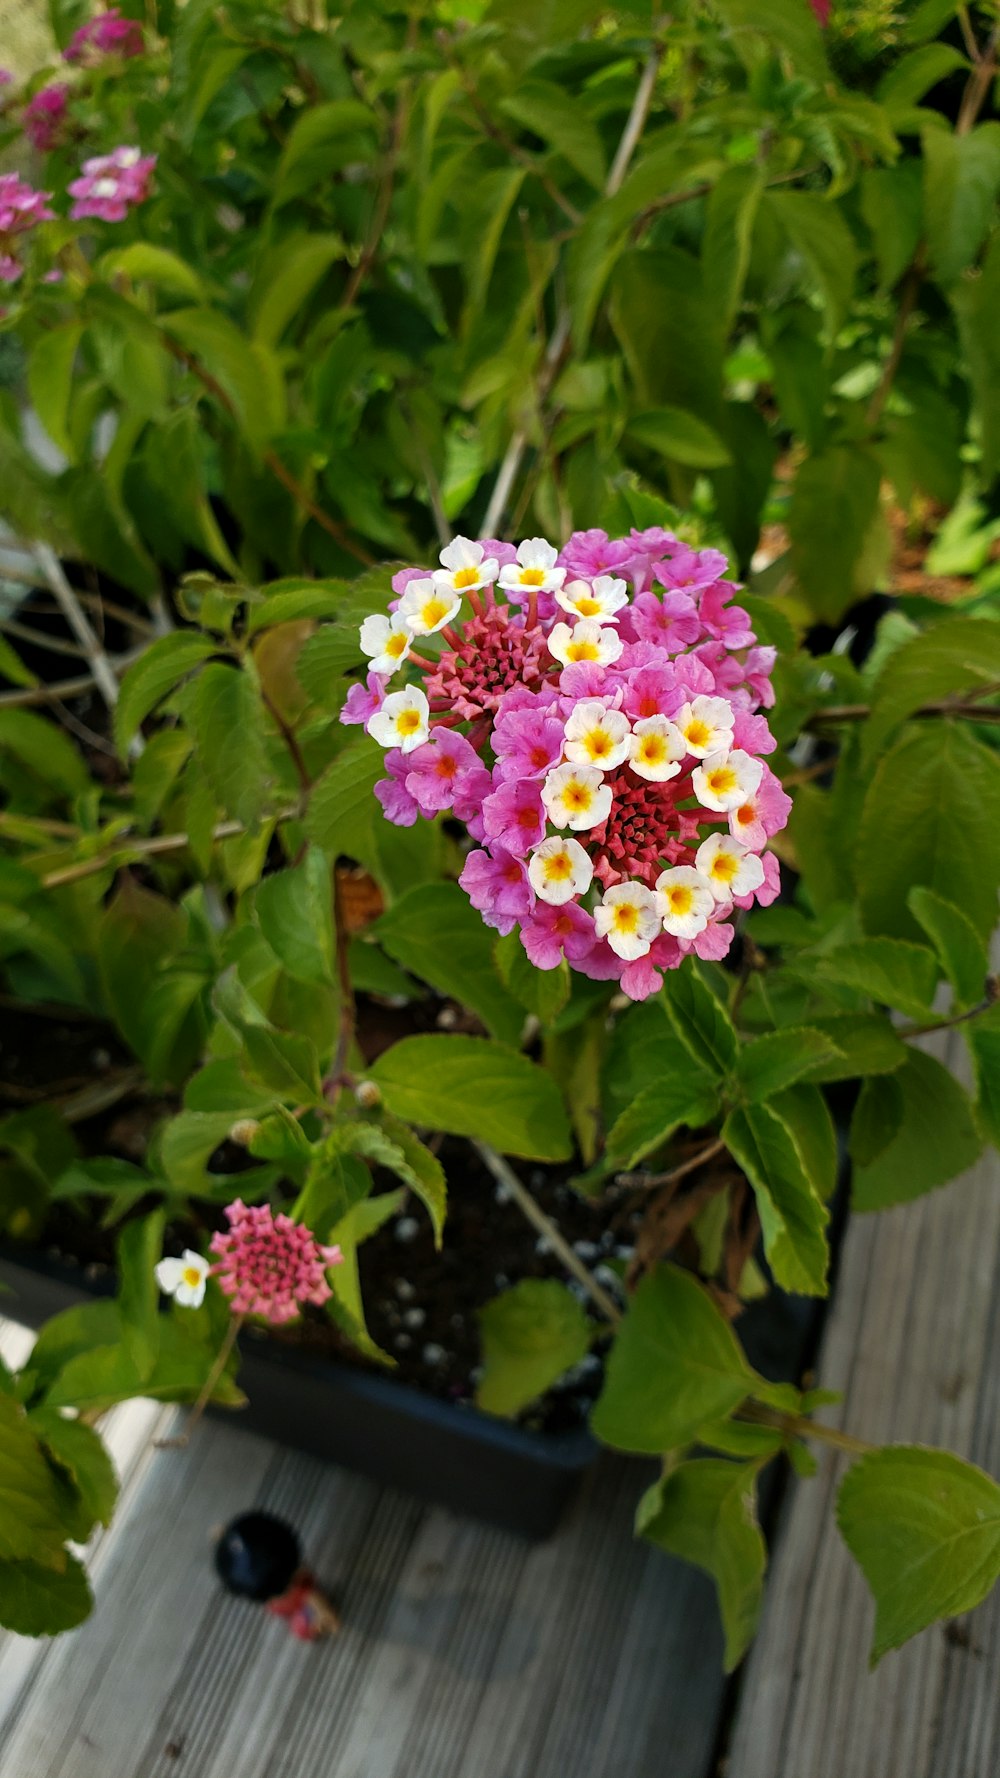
466,1651
914,1342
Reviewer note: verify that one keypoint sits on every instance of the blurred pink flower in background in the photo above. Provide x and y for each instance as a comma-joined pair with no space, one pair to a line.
106,35
45,114
111,184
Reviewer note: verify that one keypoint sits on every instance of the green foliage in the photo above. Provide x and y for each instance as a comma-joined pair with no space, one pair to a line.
925,1528
922,1133
472,1087
530,1335
706,1511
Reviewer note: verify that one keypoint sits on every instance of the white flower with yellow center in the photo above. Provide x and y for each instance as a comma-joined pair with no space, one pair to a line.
602,600
184,1278
386,640
656,749
597,736
403,720
586,642
686,901
426,607
725,780
559,869
629,917
707,726
535,569
466,568
576,797
728,867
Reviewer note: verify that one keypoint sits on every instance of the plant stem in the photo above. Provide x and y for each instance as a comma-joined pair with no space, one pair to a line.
291,741
800,1426
148,848
208,1388
991,997
945,707
651,1180
348,1006
505,1176
100,666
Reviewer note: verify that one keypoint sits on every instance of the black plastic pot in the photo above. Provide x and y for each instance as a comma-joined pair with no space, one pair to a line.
445,1453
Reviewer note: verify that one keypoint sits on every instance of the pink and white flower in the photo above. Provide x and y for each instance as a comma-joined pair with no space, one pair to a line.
577,797
724,780
706,725
602,598
387,640
559,870
111,184
597,736
687,902
403,720
466,568
656,748
184,1279
586,643
629,917
534,571
728,868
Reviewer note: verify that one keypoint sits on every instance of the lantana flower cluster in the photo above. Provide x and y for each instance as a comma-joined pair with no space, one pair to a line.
111,184
22,208
107,34
592,716
266,1264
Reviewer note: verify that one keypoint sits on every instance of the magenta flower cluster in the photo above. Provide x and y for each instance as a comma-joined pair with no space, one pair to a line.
21,209
111,184
269,1265
45,115
106,35
593,717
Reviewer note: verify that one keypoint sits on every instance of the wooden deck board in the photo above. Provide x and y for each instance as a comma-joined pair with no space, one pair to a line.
913,1341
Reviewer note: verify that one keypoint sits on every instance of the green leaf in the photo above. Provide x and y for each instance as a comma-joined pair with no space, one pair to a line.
891,971
140,1246
71,1332
791,28
983,1038
324,138
31,1526
806,1116
935,1141
294,910
913,75
702,1024
246,371
189,1140
50,380
542,992
680,436
976,301
892,206
729,221
820,236
436,933
342,808
960,654
79,1450
928,821
284,1061
654,1115
769,1063
227,717
962,952
12,667
556,115
38,1601
285,601
470,1086
792,1215
961,181
706,1512
392,1144
530,1335
675,1365
285,281
44,751
834,503
164,664
925,1528
142,263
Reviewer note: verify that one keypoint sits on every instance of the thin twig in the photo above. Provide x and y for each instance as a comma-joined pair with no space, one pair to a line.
649,1180
39,638
989,999
127,850
800,1426
559,341
79,623
505,1176
63,688
907,303
207,1391
966,706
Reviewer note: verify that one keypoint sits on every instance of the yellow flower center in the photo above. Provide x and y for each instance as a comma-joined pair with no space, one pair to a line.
466,577
724,867
408,722
626,916
558,868
679,897
396,644
583,651
433,611
722,780
697,733
652,749
577,796
532,576
598,743
191,1276
586,606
